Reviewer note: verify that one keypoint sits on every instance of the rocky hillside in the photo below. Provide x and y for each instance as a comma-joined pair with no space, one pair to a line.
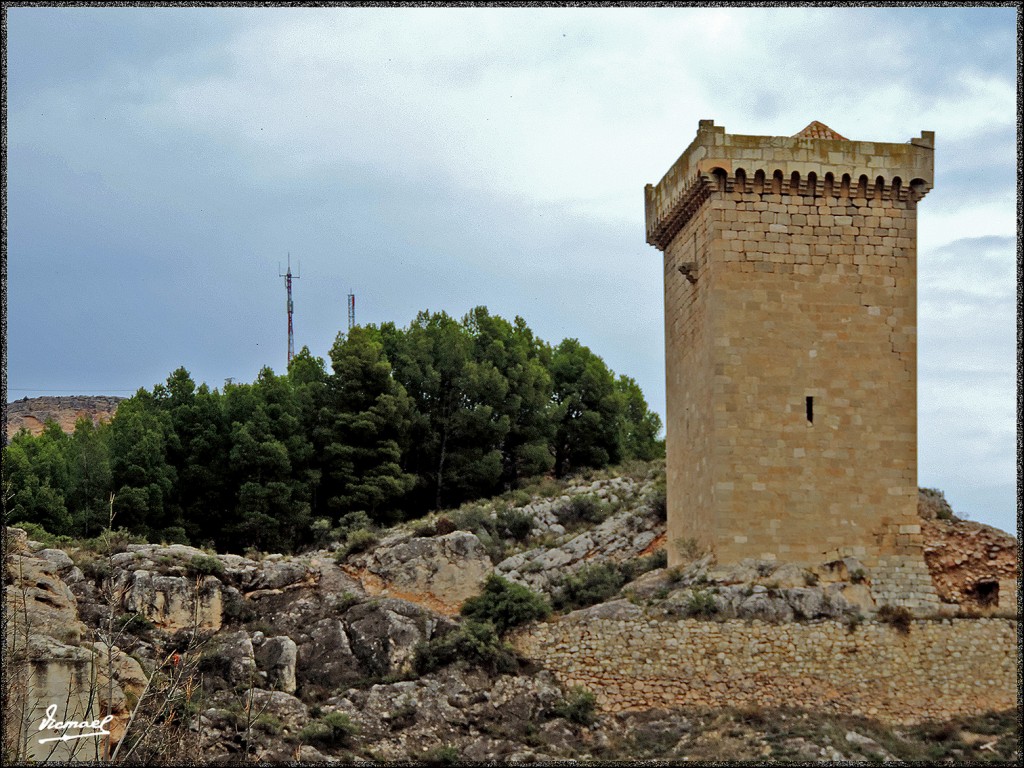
357,651
32,413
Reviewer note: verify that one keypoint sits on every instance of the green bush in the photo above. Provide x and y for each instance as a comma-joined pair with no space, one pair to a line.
589,585
514,524
931,502
446,755
657,503
580,510
596,583
657,560
334,729
323,533
443,526
472,518
474,642
505,605
356,541
205,565
578,707
701,605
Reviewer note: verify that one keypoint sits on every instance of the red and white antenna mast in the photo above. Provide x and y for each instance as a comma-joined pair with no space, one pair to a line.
351,309
291,307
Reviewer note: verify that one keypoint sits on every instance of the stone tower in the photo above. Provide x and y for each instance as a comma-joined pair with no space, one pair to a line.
791,356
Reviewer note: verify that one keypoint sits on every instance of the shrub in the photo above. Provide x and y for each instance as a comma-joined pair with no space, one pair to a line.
333,729
94,567
205,565
353,521
323,533
474,642
688,548
424,530
505,605
443,526
472,518
633,568
589,585
578,707
440,527
112,542
356,541
514,524
446,755
545,487
657,503
858,576
853,620
701,605
580,510
896,616
271,724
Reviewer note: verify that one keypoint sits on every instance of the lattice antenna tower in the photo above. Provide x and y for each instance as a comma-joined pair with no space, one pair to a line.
351,309
288,276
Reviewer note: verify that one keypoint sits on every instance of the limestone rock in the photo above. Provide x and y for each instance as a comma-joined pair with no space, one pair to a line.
36,596
172,602
277,657
440,572
383,633
326,661
230,657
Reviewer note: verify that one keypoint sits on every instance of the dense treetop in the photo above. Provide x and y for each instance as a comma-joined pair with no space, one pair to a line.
406,421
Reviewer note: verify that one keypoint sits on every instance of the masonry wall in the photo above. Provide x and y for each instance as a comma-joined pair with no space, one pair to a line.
939,670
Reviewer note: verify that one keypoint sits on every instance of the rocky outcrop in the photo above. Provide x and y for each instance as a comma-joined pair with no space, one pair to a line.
32,413
438,572
972,564
632,530
63,666
37,600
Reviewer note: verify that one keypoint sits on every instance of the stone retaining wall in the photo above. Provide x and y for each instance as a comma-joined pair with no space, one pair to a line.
937,670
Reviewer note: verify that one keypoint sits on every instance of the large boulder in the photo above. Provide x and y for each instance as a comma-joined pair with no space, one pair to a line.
438,572
277,657
326,661
383,633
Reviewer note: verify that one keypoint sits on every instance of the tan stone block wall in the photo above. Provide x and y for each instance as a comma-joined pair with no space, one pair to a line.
801,312
939,670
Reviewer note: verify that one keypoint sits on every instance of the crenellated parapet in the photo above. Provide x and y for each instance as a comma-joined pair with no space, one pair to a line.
805,165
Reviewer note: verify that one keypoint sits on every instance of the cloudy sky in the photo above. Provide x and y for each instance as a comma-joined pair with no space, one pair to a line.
162,163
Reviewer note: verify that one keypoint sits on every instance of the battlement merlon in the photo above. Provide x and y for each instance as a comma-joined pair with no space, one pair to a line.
719,160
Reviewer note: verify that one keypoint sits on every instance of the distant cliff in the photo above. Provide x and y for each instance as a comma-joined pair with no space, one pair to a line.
33,412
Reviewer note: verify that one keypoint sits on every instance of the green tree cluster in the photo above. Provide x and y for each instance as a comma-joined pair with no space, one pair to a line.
406,420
